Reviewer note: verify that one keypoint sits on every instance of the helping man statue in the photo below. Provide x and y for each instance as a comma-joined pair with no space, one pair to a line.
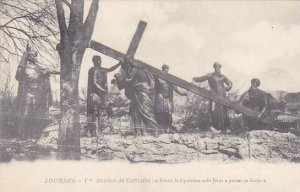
255,99
97,93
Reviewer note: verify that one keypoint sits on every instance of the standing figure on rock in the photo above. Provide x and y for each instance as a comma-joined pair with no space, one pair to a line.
217,81
139,89
164,105
97,93
34,93
257,100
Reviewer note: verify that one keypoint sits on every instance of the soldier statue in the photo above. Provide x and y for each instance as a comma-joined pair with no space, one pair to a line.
34,92
217,81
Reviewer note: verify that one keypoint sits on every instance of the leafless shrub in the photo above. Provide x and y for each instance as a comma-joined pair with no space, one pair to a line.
6,90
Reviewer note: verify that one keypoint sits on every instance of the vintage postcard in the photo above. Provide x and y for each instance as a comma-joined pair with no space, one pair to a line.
149,95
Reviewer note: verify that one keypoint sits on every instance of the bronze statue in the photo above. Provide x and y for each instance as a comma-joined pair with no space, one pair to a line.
164,104
255,99
217,81
34,91
97,93
139,89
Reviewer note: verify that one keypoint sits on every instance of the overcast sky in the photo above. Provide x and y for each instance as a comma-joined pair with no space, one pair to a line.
249,39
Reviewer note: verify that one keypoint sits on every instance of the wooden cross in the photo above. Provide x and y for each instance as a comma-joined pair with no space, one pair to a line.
173,79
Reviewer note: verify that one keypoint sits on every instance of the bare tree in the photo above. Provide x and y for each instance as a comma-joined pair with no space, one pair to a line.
32,21
75,36
40,22
6,90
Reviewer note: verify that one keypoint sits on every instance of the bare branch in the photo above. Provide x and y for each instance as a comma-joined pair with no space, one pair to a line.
76,20
21,30
67,3
61,19
6,49
31,20
4,58
13,19
13,39
13,6
89,23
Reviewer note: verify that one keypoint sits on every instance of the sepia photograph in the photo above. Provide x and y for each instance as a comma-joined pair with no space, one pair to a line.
163,95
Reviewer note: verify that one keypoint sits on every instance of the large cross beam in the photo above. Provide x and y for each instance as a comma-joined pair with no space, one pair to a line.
135,41
173,79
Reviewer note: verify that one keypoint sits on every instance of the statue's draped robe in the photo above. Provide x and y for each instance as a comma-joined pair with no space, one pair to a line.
163,96
33,99
257,100
164,103
219,116
34,92
139,89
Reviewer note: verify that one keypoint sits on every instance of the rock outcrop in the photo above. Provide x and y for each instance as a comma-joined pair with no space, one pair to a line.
259,145
267,146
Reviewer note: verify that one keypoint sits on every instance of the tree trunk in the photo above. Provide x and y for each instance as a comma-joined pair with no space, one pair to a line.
74,40
69,131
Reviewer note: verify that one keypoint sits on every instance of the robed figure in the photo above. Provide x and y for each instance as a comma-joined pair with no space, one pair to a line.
219,84
164,103
34,93
139,87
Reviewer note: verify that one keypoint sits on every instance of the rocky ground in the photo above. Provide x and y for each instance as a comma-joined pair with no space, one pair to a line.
267,146
261,145
191,141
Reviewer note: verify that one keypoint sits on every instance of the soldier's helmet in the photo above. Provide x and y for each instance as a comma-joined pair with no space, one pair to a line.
217,65
255,82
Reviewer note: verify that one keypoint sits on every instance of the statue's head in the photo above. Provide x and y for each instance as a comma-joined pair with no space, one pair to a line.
32,56
97,60
165,68
217,66
127,65
255,83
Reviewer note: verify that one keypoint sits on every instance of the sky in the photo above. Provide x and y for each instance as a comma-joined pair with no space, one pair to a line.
249,38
